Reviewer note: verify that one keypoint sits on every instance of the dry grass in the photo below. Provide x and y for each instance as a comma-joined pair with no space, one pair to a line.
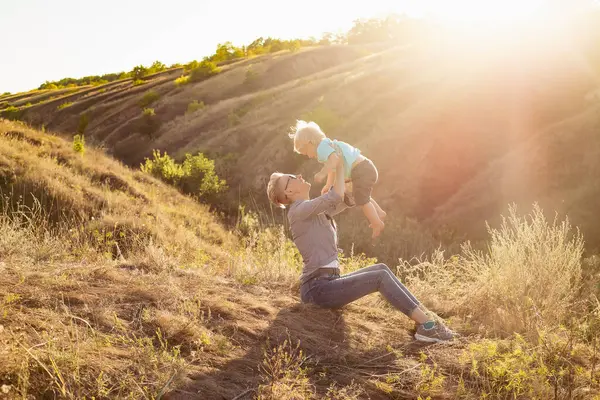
113,285
97,301
528,277
138,292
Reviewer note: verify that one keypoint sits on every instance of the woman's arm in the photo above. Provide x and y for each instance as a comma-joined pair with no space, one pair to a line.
328,168
339,184
327,202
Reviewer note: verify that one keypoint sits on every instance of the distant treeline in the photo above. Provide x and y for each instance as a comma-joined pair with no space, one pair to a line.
363,31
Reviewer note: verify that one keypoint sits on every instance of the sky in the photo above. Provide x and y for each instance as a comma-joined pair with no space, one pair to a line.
51,40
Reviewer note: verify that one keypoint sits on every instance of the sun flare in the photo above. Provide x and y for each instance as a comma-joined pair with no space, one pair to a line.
482,11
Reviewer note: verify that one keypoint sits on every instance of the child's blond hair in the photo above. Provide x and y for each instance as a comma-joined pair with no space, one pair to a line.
306,132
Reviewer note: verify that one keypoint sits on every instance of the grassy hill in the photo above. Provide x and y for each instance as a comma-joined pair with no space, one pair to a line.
457,133
114,285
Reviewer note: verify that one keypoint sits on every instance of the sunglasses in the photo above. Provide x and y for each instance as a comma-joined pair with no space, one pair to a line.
290,177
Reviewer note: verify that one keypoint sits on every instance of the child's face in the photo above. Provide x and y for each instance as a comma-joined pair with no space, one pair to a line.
308,149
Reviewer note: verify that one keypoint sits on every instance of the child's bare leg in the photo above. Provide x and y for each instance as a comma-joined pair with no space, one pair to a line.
376,223
382,214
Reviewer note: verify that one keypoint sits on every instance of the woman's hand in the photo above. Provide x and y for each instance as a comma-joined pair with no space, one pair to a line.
338,152
325,189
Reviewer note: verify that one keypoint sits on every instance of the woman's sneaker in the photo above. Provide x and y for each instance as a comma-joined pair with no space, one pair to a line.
439,333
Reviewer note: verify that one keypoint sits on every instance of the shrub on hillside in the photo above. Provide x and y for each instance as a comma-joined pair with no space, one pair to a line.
157,66
65,105
100,82
83,123
79,144
148,98
138,82
148,112
191,65
139,72
182,80
196,175
528,277
149,123
194,106
163,167
12,113
199,176
203,71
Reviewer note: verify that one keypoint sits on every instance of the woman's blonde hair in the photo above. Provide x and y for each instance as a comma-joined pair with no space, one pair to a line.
273,191
306,132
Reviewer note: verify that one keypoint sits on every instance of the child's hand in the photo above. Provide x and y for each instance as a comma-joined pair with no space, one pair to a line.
320,176
325,189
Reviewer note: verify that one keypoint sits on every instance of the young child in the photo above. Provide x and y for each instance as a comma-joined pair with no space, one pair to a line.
310,141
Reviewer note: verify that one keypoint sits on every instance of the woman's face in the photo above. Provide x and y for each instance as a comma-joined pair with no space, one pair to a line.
294,186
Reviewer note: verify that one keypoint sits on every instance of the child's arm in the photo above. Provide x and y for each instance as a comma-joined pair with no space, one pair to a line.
328,168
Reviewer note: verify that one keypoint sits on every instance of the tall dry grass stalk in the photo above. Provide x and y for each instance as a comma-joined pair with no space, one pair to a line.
528,276
266,256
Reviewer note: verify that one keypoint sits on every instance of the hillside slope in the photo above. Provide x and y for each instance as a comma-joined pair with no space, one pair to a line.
432,116
113,285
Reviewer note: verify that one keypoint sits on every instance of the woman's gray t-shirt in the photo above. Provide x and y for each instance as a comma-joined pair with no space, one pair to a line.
314,231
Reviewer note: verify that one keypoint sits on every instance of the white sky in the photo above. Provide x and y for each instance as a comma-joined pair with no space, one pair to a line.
49,40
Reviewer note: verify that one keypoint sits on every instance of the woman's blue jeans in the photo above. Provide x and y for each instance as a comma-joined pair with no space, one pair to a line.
336,291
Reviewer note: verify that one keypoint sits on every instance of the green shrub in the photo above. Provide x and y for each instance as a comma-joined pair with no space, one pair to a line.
148,98
553,366
83,123
79,144
12,113
196,175
205,70
199,176
65,105
139,72
148,112
28,104
182,80
163,167
149,123
194,106
191,65
138,82
157,66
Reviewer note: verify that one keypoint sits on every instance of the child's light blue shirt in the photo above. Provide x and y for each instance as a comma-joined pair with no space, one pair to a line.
349,153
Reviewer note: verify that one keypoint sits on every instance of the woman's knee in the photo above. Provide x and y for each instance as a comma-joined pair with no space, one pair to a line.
382,267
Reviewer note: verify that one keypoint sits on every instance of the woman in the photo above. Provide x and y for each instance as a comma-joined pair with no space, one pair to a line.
315,234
